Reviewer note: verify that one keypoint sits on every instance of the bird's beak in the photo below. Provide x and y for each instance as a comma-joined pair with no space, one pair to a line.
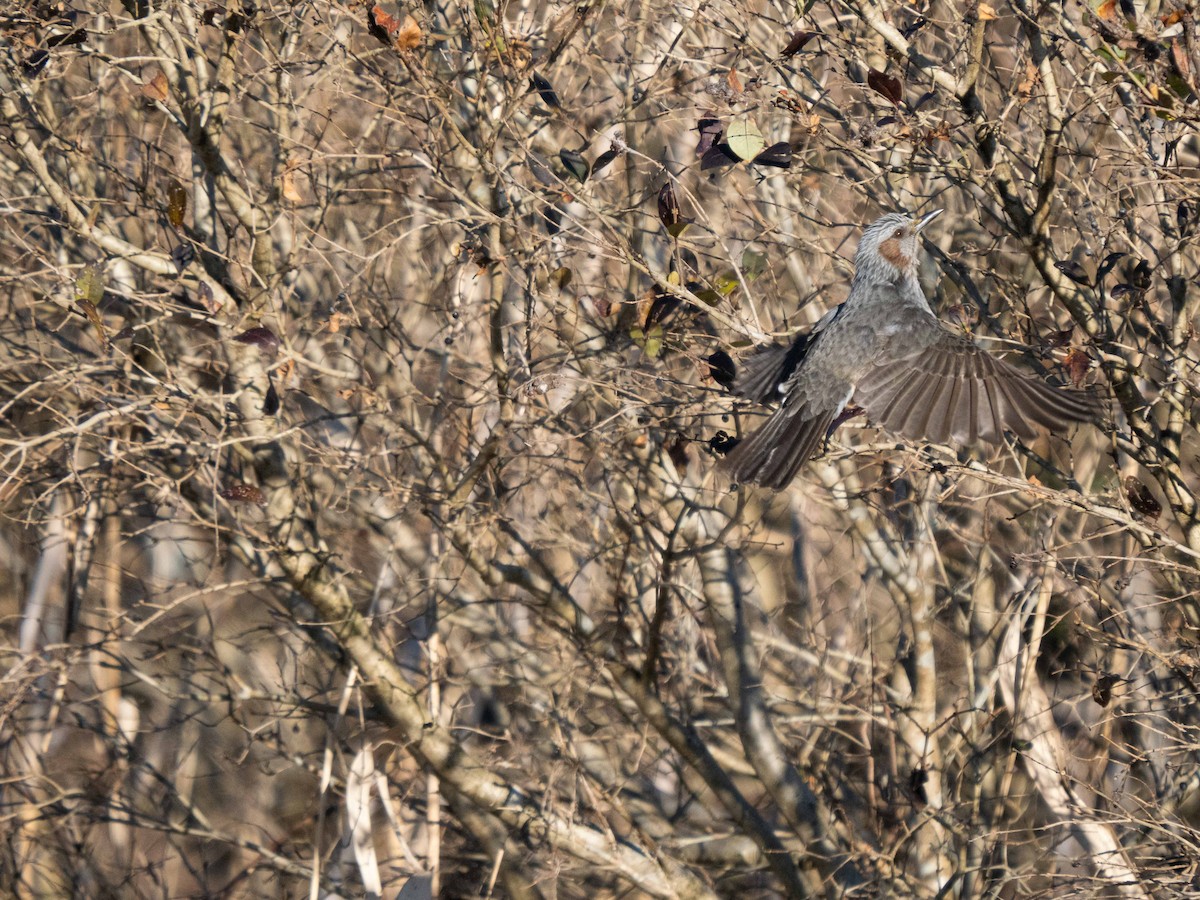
929,217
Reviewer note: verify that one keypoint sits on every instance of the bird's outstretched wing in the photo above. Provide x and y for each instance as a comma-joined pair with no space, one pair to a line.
952,389
761,377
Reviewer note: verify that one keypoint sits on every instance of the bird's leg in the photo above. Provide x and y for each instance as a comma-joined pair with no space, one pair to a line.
844,416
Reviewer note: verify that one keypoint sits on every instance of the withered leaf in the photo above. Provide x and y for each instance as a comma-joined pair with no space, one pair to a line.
271,401
1140,498
177,200
183,255
287,187
677,450
796,44
381,25
778,155
1073,271
718,156
156,89
243,493
35,62
1102,689
263,338
1060,338
1077,364
408,37
668,206
204,293
545,90
721,368
710,132
605,159
1140,276
574,163
93,316
886,85
78,36
722,443
1107,264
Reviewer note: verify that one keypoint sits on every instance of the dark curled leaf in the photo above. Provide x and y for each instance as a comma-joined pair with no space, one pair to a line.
721,369
263,338
545,90
574,163
1102,689
271,401
78,36
677,450
914,26
779,155
668,206
710,132
1107,264
1122,290
243,493
605,159
886,120
540,170
664,304
1077,364
1185,218
34,64
796,44
717,157
1060,338
721,443
553,217
888,86
1140,276
1074,271
183,255
1140,499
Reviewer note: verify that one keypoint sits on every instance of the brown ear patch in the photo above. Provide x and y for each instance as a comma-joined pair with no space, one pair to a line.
890,250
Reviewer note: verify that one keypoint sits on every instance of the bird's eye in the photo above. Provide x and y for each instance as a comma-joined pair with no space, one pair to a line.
898,232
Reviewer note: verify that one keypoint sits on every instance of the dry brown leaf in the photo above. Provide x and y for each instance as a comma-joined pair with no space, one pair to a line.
1025,88
734,82
1107,10
986,13
408,37
1077,365
93,316
156,89
287,185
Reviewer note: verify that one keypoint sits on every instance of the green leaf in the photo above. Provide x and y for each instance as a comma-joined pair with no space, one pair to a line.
753,264
744,139
726,283
575,164
650,341
89,286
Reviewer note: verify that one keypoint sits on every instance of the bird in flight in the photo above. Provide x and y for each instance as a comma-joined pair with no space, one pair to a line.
884,350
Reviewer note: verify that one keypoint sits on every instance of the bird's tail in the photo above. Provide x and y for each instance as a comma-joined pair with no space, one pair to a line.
773,454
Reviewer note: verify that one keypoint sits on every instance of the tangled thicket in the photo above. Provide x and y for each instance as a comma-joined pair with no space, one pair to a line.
362,524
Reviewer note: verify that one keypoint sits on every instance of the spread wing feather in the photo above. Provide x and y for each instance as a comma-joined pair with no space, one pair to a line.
952,389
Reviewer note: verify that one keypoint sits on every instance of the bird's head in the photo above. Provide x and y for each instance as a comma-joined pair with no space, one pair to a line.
890,246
